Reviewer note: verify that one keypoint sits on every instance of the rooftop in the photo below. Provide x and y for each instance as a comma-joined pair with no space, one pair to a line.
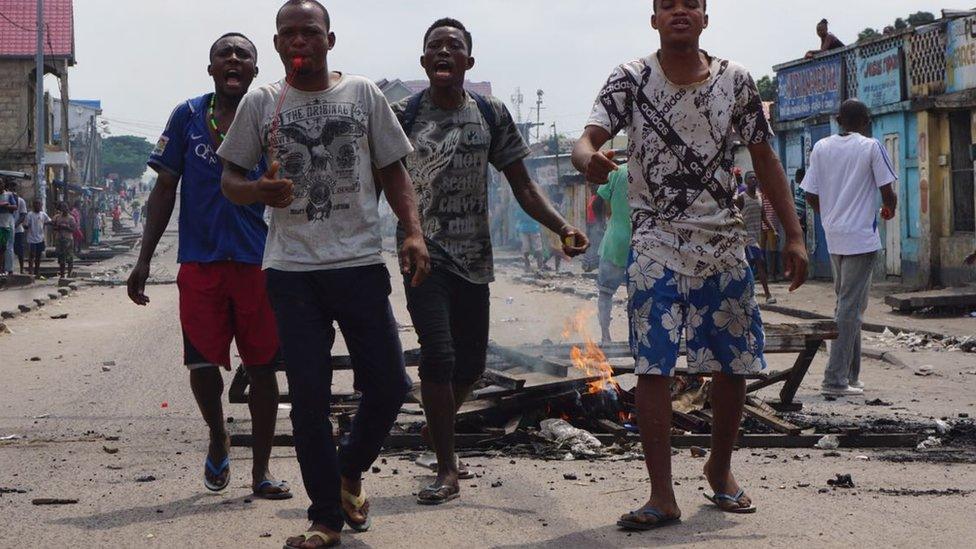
18,24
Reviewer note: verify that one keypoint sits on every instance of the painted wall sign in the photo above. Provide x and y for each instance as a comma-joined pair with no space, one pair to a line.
961,54
879,78
811,88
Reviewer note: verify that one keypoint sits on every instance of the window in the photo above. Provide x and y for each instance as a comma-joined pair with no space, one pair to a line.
963,201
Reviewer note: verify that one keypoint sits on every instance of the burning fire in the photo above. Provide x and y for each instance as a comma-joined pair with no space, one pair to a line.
590,360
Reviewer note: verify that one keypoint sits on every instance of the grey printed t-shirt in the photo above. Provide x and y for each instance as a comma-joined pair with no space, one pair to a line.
449,169
328,143
682,193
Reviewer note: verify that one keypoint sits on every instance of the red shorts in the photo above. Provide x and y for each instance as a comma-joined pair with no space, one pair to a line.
225,301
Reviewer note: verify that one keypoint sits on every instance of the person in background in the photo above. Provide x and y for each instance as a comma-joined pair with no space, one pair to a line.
530,234
596,228
827,40
78,236
750,203
65,227
799,198
846,174
19,236
8,216
769,242
37,220
615,248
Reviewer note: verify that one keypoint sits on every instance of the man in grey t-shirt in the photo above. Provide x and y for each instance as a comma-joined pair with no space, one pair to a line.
325,135
456,134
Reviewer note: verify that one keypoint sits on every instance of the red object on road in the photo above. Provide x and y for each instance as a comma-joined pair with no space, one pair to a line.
165,404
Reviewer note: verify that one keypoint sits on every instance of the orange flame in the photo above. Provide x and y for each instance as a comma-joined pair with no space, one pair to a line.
591,361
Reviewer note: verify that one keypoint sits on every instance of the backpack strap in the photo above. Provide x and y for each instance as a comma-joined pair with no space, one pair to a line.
410,113
487,112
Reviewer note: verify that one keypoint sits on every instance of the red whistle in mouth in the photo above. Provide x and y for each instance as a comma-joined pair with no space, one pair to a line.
297,63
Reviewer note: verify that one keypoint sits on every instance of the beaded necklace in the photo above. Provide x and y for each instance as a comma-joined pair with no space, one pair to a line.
213,118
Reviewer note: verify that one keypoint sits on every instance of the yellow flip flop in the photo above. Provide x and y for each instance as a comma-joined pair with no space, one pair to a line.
357,502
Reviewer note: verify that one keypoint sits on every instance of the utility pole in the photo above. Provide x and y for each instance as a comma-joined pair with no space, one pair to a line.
555,145
517,100
41,184
538,112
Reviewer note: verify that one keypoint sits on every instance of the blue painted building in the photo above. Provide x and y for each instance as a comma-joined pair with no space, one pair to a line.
922,97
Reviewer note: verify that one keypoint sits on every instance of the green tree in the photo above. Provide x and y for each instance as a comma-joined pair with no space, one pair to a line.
125,155
920,18
867,34
900,24
768,88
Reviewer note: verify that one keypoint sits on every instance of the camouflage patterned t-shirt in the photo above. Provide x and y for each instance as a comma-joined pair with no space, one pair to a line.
449,169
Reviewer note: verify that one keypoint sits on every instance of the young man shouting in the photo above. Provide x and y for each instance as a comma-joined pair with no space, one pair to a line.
221,285
327,133
456,134
688,274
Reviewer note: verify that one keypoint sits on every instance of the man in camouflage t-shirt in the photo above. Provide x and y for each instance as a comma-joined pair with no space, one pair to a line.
688,278
456,135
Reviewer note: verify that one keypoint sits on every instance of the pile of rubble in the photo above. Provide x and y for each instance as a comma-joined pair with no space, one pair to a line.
918,342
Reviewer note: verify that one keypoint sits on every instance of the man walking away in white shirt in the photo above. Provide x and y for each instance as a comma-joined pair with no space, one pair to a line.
846,172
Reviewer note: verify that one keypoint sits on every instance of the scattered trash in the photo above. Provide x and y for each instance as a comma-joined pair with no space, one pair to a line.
165,405
842,481
562,433
924,371
863,458
42,416
509,300
106,369
53,501
828,442
11,437
877,402
496,484
110,450
109,363
59,317
145,478
697,452
230,419
930,442
941,426
569,476
832,454
35,359
265,535
376,469
12,490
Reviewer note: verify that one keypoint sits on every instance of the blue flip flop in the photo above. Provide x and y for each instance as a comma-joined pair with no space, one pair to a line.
216,472
631,520
284,493
717,498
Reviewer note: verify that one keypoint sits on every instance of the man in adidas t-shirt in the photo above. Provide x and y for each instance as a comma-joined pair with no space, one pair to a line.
688,274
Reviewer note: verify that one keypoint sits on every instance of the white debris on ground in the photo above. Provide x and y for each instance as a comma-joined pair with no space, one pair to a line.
580,442
916,342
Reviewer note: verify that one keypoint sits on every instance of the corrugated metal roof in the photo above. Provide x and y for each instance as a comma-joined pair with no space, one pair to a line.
18,22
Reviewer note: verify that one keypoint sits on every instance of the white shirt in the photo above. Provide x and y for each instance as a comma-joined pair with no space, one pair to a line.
35,226
846,172
6,216
21,210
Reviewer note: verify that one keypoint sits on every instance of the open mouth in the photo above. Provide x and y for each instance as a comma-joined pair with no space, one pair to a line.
443,69
232,77
681,24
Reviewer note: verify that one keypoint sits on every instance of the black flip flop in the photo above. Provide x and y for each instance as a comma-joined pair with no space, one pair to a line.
634,524
438,495
718,498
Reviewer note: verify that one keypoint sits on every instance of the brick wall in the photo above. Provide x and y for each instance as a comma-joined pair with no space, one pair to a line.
16,148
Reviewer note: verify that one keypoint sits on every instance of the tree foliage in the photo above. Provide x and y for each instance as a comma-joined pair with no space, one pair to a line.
768,88
125,155
914,20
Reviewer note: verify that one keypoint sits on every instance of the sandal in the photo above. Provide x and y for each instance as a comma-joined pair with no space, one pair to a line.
637,520
214,471
718,499
330,539
436,495
283,490
360,503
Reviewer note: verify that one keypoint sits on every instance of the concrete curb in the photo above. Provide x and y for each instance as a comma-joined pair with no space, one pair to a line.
867,326
35,303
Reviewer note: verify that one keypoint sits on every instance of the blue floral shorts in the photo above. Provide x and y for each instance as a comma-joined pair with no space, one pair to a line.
718,317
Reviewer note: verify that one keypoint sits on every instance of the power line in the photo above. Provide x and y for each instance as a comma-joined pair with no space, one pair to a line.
16,24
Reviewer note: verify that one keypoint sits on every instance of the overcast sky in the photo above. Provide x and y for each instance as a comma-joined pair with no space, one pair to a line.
141,58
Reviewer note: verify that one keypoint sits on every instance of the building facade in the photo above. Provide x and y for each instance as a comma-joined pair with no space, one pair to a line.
920,85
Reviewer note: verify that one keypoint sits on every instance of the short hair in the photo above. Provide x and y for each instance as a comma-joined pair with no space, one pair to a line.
704,5
823,22
449,22
853,112
213,47
316,3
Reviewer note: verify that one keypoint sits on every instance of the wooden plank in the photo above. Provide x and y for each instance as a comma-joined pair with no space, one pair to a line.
775,423
771,379
799,371
689,422
962,297
527,361
496,377
399,441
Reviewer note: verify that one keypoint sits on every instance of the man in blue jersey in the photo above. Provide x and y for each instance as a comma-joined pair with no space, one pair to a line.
222,295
